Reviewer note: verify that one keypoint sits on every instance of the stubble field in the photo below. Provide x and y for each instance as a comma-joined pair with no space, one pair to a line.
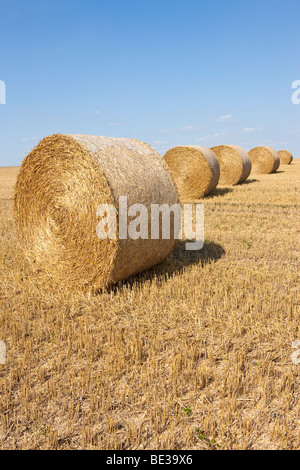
193,354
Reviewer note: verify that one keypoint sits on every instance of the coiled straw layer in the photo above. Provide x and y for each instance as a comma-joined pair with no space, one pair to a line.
235,164
60,186
265,160
285,157
195,171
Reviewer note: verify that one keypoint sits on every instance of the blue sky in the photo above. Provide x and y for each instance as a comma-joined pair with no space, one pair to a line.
166,72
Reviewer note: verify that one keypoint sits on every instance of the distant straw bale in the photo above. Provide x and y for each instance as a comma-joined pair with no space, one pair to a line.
285,157
195,171
265,160
60,186
235,164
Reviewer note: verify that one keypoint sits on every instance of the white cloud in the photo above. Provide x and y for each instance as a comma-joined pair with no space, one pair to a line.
252,129
114,124
278,144
227,117
163,131
27,139
192,128
212,136
246,144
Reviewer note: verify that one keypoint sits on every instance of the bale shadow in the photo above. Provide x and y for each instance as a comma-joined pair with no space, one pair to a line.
211,252
175,264
253,180
219,192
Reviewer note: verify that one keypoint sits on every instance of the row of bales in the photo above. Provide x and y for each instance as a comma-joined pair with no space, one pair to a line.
63,181
197,170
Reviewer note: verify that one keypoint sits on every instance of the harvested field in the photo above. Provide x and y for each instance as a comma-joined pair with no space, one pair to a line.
8,177
192,354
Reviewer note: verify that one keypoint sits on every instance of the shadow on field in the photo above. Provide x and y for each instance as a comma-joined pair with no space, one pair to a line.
249,181
175,264
219,192
211,252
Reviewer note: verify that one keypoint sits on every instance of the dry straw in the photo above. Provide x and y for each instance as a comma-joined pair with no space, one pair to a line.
195,171
285,157
235,164
265,160
60,186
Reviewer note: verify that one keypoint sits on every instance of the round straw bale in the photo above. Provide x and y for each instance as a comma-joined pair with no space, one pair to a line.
60,186
285,157
235,164
265,160
195,170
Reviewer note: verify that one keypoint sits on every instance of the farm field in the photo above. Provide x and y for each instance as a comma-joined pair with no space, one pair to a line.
192,354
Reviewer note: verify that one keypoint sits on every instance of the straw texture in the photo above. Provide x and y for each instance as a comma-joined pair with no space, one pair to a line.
235,164
195,171
60,186
285,157
265,160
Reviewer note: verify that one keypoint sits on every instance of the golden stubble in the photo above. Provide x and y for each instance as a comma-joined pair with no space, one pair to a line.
192,354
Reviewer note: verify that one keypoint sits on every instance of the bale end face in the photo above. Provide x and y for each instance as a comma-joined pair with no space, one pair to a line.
195,171
235,164
265,160
285,157
61,185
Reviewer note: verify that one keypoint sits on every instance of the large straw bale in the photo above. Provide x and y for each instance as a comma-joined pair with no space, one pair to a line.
235,164
60,186
265,160
285,157
195,170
